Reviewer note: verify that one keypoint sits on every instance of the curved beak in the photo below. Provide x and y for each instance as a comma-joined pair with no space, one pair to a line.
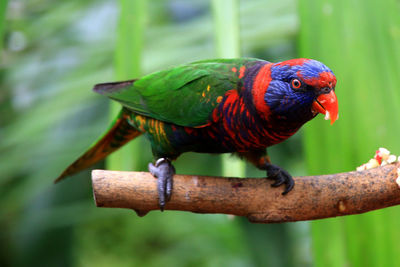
327,104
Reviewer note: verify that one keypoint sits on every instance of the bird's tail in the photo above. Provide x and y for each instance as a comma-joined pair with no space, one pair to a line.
119,134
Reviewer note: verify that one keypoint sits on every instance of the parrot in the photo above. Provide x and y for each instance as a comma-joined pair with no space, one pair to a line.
240,106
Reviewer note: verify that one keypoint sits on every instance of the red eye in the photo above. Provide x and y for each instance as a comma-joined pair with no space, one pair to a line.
296,84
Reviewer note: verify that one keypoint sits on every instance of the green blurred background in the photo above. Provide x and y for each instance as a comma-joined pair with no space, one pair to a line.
52,52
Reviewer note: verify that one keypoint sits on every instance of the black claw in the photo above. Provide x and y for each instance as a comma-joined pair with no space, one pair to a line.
281,177
163,171
289,186
279,180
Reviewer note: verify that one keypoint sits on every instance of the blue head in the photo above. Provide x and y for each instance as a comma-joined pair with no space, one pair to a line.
299,89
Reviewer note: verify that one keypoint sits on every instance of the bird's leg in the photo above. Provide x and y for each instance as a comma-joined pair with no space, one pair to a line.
163,170
261,160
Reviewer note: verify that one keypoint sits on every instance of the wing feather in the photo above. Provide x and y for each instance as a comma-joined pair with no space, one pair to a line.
185,95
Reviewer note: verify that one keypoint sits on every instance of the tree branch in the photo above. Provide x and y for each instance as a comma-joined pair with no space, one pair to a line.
313,197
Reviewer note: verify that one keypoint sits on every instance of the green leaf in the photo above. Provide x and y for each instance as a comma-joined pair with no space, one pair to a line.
128,56
226,23
3,9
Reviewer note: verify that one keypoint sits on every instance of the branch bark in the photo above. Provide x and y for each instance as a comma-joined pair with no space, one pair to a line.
313,197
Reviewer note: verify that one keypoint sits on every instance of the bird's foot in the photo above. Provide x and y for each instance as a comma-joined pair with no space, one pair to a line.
280,176
163,171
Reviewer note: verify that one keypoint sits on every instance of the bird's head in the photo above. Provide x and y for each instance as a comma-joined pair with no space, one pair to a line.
299,89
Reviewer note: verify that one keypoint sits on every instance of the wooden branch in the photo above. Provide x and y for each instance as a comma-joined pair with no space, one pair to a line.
313,197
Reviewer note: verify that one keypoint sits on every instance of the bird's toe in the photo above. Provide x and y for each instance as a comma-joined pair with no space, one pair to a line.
163,171
280,176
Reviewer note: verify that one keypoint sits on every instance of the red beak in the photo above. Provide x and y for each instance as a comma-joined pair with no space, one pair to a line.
327,104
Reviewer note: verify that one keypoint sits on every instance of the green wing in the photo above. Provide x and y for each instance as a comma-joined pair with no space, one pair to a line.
185,95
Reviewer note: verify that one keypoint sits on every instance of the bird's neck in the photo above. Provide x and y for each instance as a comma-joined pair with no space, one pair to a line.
238,115
246,129
267,125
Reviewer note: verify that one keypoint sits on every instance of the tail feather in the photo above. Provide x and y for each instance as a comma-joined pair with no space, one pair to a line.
107,88
119,134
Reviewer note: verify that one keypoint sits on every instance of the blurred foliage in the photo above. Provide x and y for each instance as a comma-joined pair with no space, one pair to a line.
3,7
54,52
362,49
128,56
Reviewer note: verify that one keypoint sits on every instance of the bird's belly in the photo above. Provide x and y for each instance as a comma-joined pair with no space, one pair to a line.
171,140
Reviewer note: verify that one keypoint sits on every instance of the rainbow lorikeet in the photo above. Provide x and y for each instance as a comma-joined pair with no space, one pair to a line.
239,106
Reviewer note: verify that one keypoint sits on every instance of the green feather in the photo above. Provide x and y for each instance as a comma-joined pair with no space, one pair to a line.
185,95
